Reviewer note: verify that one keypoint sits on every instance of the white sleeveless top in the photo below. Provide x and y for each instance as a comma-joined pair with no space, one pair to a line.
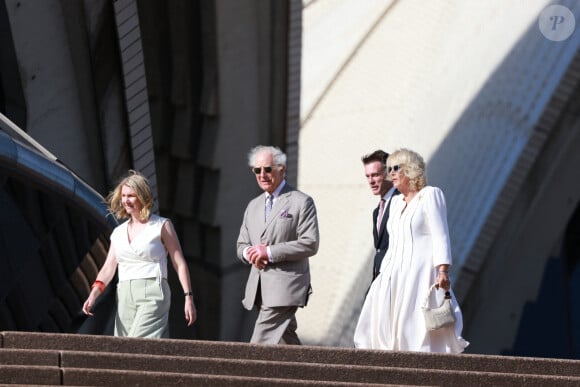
145,256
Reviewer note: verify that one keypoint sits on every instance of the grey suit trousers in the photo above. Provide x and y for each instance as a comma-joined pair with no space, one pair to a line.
276,326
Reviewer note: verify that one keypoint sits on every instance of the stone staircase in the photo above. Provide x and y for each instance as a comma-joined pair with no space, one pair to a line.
72,359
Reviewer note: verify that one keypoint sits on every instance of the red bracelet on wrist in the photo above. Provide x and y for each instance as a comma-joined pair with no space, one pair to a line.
99,284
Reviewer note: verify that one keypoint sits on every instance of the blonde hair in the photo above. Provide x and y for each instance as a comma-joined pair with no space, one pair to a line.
138,183
412,166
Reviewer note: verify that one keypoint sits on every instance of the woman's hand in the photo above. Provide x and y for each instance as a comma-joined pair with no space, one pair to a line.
443,280
90,302
190,312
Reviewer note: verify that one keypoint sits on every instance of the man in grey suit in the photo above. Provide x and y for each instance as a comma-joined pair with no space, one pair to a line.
277,238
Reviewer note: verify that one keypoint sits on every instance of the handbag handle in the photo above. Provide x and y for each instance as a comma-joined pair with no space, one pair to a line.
435,285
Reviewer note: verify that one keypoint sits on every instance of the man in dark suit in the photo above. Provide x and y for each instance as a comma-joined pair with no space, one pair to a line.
376,174
277,238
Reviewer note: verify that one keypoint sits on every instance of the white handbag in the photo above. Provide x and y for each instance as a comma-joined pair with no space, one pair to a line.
441,316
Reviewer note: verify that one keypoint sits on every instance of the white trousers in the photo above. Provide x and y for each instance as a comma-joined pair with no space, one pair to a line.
143,308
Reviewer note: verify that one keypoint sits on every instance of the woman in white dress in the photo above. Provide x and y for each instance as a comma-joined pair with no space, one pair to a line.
139,249
418,256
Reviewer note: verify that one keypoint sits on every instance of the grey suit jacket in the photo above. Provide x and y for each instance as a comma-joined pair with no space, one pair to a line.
291,231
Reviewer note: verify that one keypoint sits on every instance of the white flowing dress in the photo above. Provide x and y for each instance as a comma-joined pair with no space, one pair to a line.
391,317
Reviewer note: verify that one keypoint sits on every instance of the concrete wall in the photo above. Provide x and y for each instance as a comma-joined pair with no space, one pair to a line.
215,77
476,89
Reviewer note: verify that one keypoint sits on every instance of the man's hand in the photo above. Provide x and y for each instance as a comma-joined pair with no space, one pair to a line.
258,256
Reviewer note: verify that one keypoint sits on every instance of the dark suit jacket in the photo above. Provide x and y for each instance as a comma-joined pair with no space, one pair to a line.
381,238
291,231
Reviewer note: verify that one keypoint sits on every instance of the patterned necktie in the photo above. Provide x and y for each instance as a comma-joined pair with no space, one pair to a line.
269,201
380,215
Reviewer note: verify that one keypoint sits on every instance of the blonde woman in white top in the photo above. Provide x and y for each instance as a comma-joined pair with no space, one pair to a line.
139,249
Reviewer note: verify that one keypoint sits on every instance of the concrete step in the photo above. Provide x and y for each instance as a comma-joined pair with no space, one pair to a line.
104,360
29,357
44,376
154,369
30,375
85,377
301,354
339,373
